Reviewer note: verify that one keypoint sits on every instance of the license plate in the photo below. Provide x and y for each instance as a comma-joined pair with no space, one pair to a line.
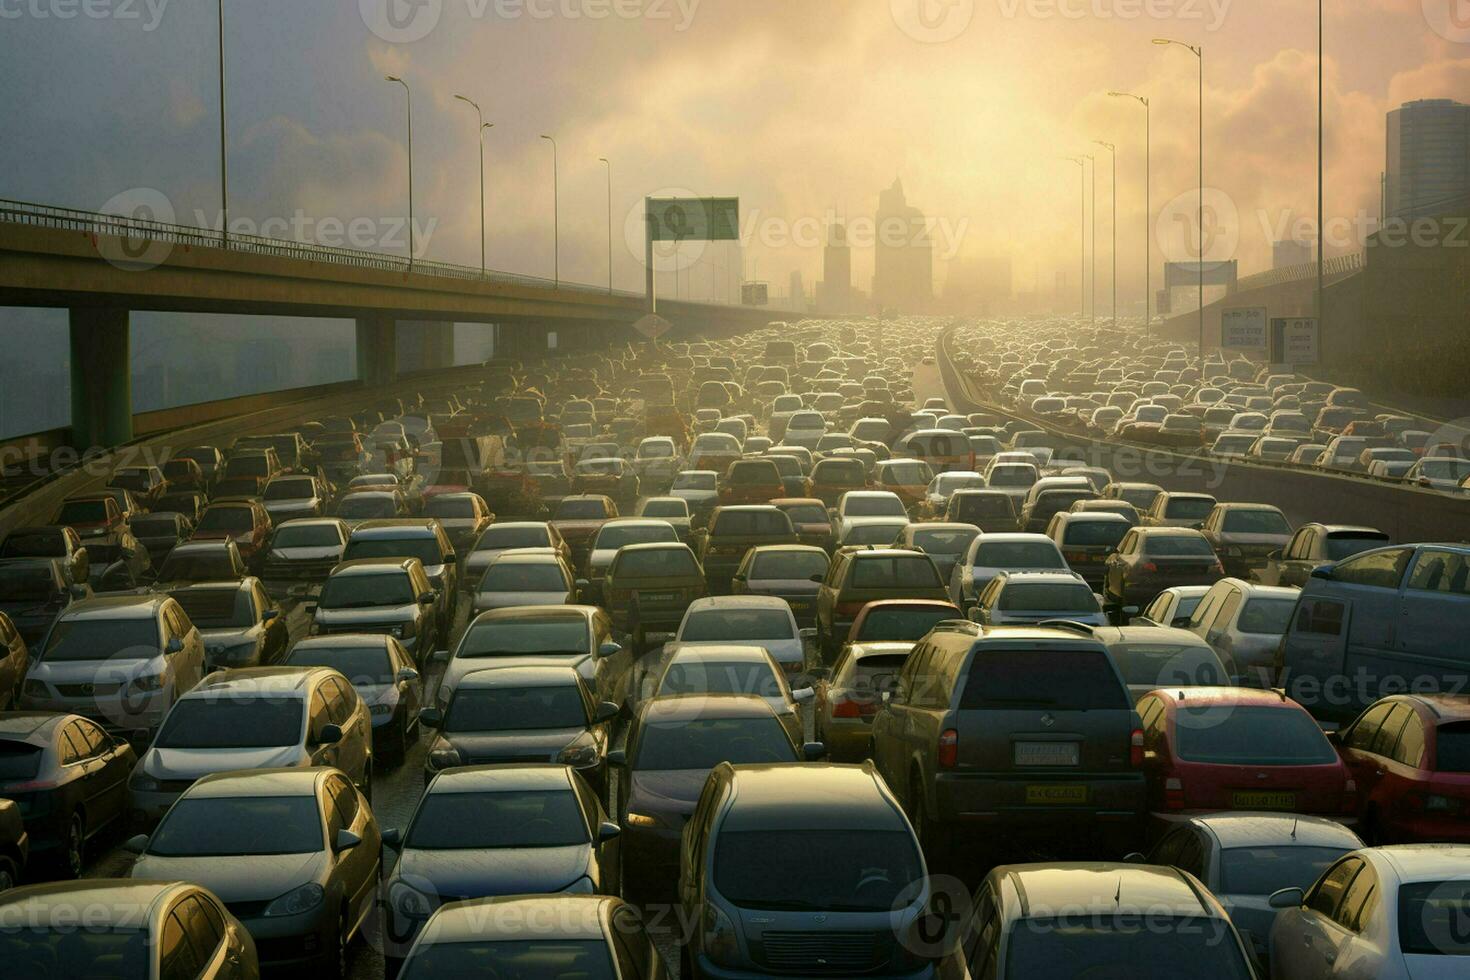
800,605
1047,753
1056,794
1264,800
657,596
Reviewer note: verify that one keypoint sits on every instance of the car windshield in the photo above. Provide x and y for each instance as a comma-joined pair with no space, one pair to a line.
1086,534
215,564
1432,917
160,526
1266,616
501,637
655,563
895,572
1188,508
898,624
307,536
699,675
1255,522
232,520
951,541
425,549
580,510
506,537
790,565
366,505
906,474
839,472
239,825
735,523
236,721
1250,735
666,508
1452,747
1177,546
26,584
95,951
1076,680
1263,870
737,625
389,588
1012,476
73,640
37,544
363,666
1018,554
290,490
1445,469
694,481
217,608
827,870
1038,597
520,576
1340,546
1169,664
449,821
585,959
618,535
704,743
873,507
83,512
505,709
1141,946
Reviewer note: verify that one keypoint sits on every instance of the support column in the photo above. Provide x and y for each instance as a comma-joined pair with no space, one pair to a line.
101,378
438,346
377,350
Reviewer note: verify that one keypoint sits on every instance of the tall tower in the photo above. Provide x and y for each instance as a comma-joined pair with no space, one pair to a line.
836,295
903,266
1428,165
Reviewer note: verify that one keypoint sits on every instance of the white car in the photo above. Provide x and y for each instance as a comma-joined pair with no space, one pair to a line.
858,508
533,577
757,620
991,554
1390,913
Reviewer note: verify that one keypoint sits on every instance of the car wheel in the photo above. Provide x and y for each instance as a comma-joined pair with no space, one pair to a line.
9,874
401,741
74,847
933,840
686,963
337,960
367,778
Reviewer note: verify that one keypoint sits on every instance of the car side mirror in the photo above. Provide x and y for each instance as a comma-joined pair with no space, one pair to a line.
802,695
607,830
136,845
617,757
813,751
431,717
1324,572
393,837
1134,857
1131,610
606,711
609,649
1274,556
330,735
407,674
175,645
1287,898
582,585
428,598
77,591
346,840
269,615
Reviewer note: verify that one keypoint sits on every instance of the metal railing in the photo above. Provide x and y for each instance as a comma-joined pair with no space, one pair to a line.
1334,268
92,223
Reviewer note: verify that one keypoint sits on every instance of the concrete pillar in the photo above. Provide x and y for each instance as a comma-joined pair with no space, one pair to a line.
438,341
101,378
377,350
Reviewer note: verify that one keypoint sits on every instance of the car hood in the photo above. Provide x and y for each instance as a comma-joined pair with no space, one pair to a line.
504,600
96,671
371,614
28,610
174,764
479,873
307,554
784,586
228,637
783,651
486,747
661,791
257,878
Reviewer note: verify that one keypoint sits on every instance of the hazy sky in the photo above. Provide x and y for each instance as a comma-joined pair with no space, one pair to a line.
800,107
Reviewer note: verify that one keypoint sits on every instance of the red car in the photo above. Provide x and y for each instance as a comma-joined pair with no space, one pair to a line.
1410,754
244,522
810,518
1207,749
751,481
831,478
900,620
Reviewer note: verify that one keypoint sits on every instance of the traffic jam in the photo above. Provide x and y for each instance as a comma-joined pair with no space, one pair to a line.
845,648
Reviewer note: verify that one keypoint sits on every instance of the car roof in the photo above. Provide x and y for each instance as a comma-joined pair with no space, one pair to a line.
1072,887
1192,697
260,680
227,585
341,641
33,727
191,547
406,527
803,796
311,522
1247,829
116,607
691,707
1150,635
123,897
520,917
367,566
1096,516
503,778
729,602
520,675
1424,862
1031,577
1170,532
257,783
539,614
719,653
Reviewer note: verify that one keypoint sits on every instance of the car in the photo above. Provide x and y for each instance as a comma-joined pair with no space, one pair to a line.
853,882
521,712
201,561
861,575
33,592
908,479
758,620
1080,918
121,661
1086,538
192,472
611,476
1438,472
294,496
833,477
423,539
1022,598
751,482
1050,496
1186,510
850,694
942,487
792,572
1153,657
357,506
536,935
482,831
963,737
1140,495
1229,748
990,554
1244,624
673,511
254,718
1244,536
62,544
1379,911
616,534
1150,559
1172,607
737,667
159,533
303,551
531,577
294,854
945,543
241,626
577,518
731,532
69,780
991,510
463,515
1311,546
700,488
379,595
383,674
95,518
512,535
127,921
1406,753
246,523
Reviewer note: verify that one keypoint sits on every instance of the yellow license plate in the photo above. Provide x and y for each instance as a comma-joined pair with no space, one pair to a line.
1263,801
1056,794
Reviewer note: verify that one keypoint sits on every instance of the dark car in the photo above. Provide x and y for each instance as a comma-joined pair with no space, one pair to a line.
1313,545
15,845
69,777
784,880
990,510
1246,535
119,564
519,713
160,533
1086,540
464,517
673,743
424,539
94,517
183,474
733,531
240,625
480,831
291,496
303,551
1151,559
33,592
147,483
383,674
14,659
246,523
577,518
189,504
202,561
1014,727
54,541
211,461
811,519
379,595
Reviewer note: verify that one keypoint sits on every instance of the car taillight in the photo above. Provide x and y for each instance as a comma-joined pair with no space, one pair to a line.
949,748
1174,793
849,608
1135,748
1075,555
1432,803
1149,566
845,708
34,786
1350,796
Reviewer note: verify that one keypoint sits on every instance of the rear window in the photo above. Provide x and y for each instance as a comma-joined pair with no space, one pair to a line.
754,474
217,608
26,584
751,522
704,743
580,510
449,507
735,625
1012,476
700,676
1189,508
41,544
82,512
496,538
1452,747
1250,735
234,520
1177,546
1140,945
1262,870
1266,615
19,761
1432,916
290,490
1071,679
1165,664
1095,533
655,563
425,548
839,471
939,444
307,536
1047,598
807,514
895,572
1345,545
617,536
840,870
973,507
906,474
520,576
1018,554
789,565
947,542
1255,522
507,709
873,507
900,625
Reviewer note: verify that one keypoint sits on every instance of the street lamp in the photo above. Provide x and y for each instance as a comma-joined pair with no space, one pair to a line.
1093,305
480,133
1148,225
609,225
1199,54
555,213
1114,151
1082,236
412,245
224,164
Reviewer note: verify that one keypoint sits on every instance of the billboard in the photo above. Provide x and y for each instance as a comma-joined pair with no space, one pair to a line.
1243,328
702,219
1295,340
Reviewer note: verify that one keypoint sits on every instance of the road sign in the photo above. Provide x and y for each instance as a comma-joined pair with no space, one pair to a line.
653,326
1295,339
1243,328
695,219
755,293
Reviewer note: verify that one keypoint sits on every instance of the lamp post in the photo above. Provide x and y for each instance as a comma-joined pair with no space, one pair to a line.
1113,150
1082,237
480,133
1199,54
412,244
609,225
1321,254
1093,303
224,163
555,214
1148,224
